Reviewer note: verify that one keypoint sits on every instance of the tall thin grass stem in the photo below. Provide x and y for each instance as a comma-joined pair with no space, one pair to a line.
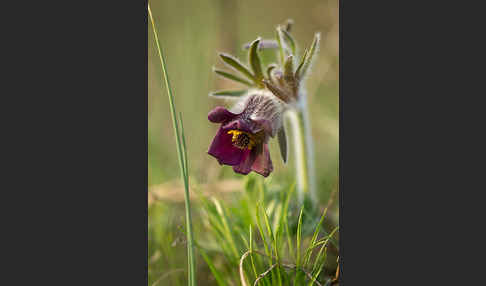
182,157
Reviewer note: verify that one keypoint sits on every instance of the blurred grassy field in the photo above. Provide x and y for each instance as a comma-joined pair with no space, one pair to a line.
192,32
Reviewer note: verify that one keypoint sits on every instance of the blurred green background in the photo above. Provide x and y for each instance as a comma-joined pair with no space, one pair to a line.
192,32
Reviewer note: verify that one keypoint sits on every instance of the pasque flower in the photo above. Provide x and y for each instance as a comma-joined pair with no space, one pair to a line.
242,139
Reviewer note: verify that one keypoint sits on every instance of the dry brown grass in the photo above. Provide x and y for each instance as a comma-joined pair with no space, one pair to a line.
173,191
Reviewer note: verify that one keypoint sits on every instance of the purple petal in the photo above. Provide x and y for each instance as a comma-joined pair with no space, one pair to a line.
263,164
245,166
266,125
220,114
222,149
242,124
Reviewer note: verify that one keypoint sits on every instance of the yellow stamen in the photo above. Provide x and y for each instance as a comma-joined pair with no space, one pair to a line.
242,139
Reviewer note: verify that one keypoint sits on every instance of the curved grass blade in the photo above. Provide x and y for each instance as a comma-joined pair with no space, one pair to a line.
251,254
262,233
299,236
321,260
314,238
237,66
318,265
184,149
267,244
285,218
217,275
298,244
228,233
267,224
273,237
232,77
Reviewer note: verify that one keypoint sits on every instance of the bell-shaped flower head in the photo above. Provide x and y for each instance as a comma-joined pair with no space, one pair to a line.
242,138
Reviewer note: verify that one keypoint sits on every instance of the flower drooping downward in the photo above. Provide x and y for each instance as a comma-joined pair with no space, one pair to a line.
242,139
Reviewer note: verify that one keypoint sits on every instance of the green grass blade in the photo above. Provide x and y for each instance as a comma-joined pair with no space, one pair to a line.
298,274
212,217
284,218
314,238
267,224
184,148
260,229
319,262
266,244
227,230
184,177
318,265
277,220
272,235
251,254
217,275
299,237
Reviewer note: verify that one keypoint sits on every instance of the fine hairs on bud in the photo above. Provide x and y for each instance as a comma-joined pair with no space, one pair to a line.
268,107
263,96
239,104
261,104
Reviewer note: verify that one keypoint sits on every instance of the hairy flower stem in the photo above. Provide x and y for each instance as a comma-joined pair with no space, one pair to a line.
303,150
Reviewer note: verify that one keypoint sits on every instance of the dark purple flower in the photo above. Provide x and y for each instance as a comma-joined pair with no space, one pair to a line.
242,139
